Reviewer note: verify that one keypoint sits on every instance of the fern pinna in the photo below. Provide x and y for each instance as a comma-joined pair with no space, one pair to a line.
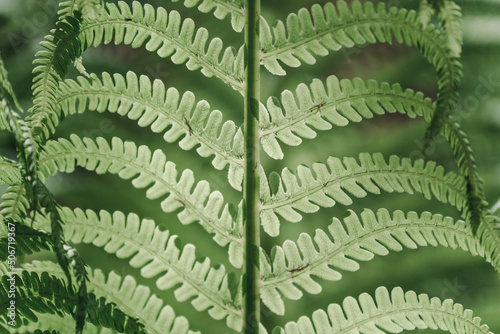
69,296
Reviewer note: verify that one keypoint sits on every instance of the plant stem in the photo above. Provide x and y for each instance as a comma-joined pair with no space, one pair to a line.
251,308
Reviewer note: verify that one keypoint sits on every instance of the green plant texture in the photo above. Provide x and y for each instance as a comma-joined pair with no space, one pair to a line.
132,203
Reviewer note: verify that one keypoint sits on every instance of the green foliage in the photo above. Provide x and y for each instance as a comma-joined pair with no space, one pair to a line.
164,111
339,103
389,313
49,295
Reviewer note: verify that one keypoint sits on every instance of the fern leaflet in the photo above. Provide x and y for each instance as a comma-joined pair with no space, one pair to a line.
340,102
157,252
356,239
222,8
48,294
330,28
149,170
14,203
166,34
135,300
156,107
337,181
388,313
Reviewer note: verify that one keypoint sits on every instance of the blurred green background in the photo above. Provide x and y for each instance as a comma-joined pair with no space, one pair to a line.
439,272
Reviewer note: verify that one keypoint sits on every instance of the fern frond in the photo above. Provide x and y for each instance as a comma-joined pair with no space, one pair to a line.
48,294
236,8
450,17
6,90
89,8
166,34
37,331
62,48
27,150
28,153
489,235
25,241
67,256
296,116
4,123
337,181
61,324
391,312
14,203
356,239
11,172
147,170
467,165
25,144
156,252
425,12
134,299
152,105
310,34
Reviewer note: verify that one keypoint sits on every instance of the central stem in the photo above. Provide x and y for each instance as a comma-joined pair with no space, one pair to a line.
251,196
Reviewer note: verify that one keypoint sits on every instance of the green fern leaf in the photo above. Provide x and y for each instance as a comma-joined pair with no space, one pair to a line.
48,294
356,239
149,170
67,256
338,181
28,152
151,105
339,103
62,48
489,234
425,12
467,165
11,172
166,34
222,8
157,252
37,331
4,123
61,324
309,34
451,17
89,8
25,144
451,21
135,300
6,90
14,203
388,313
27,240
